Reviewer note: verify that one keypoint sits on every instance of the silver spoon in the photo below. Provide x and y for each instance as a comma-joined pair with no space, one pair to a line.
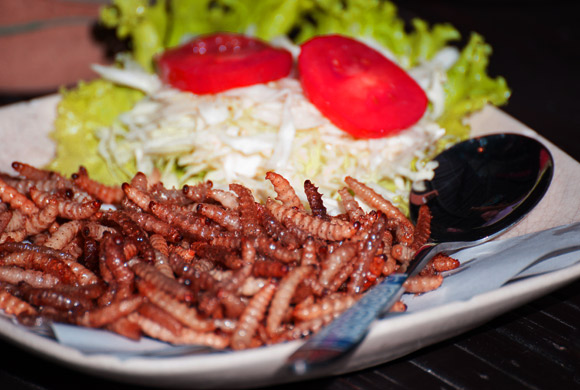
481,188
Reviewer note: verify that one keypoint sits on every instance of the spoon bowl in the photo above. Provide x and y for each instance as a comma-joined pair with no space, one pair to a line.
481,188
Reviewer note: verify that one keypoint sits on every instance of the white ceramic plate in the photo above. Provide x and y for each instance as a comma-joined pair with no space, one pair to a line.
25,127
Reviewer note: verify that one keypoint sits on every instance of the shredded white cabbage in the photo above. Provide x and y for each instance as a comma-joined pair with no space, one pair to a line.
240,134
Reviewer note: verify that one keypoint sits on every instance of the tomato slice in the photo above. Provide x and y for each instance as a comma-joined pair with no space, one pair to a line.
357,88
222,61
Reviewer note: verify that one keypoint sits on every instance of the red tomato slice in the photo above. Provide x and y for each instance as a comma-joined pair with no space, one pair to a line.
218,62
357,88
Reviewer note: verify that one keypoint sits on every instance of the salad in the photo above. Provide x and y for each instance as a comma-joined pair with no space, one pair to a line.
136,118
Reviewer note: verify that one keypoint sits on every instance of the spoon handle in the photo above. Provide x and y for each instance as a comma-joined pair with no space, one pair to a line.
345,332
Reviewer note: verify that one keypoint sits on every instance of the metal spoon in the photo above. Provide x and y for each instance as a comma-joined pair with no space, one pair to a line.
481,188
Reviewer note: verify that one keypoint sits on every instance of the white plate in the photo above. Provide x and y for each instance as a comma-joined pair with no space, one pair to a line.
25,128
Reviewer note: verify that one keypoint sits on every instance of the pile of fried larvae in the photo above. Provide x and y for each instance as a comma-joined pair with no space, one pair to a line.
196,265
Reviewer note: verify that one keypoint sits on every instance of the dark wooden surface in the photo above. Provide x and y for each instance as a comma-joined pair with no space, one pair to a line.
537,346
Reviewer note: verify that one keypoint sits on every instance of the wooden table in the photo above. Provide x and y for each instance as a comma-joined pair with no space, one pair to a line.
535,346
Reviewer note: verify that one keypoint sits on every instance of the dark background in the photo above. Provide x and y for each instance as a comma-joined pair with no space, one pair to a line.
536,48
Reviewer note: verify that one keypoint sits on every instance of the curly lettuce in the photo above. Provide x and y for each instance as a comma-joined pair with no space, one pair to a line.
469,88
165,24
81,112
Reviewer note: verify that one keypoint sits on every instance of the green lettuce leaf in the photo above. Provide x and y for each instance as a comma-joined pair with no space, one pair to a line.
469,88
165,24
144,23
378,20
81,112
